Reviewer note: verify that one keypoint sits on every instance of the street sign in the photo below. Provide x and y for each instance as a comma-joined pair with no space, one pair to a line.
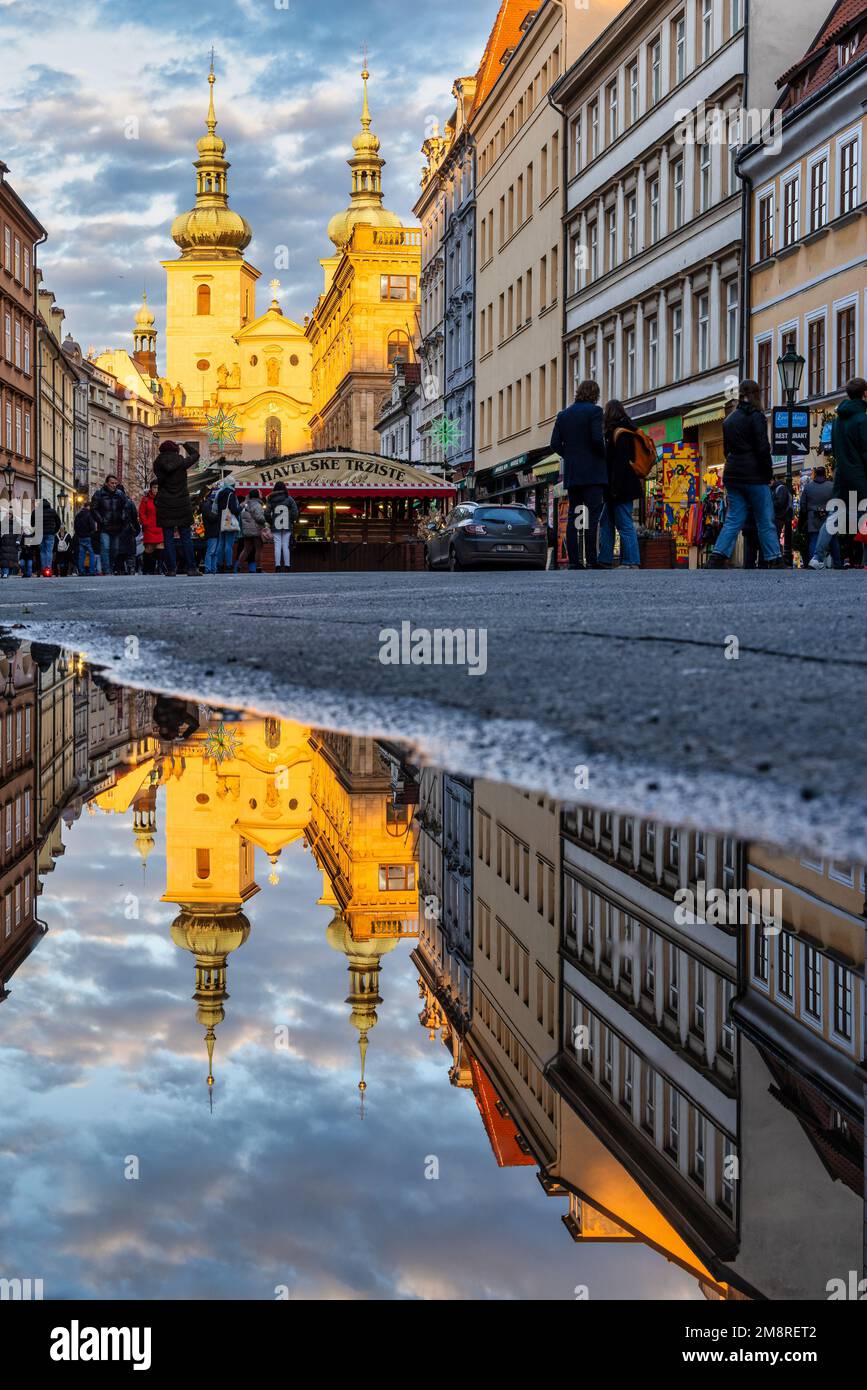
800,431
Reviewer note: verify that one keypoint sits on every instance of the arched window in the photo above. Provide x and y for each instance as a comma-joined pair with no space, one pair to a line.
203,299
398,347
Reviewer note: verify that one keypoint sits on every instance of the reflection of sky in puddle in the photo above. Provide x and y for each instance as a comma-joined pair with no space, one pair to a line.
101,1057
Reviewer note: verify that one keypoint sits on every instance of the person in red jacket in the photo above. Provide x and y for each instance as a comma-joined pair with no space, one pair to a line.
152,534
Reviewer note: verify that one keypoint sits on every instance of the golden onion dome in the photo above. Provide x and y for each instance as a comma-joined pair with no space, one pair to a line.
366,203
341,226
144,318
211,932
211,228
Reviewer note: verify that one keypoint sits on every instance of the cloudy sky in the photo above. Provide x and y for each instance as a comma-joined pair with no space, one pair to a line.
78,79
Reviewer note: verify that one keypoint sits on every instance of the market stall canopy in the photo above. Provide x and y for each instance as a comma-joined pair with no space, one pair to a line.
343,473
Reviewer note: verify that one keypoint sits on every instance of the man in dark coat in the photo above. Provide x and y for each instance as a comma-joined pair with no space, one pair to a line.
578,438
174,508
748,471
86,532
114,511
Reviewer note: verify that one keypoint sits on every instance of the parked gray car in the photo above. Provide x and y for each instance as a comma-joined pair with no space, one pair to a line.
485,533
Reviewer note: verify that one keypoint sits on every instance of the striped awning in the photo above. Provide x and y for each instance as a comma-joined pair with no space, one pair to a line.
705,414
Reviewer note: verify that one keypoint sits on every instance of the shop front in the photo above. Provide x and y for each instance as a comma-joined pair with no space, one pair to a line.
684,495
356,511
515,481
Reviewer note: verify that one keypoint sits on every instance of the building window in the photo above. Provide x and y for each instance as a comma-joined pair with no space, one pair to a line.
630,361
816,357
786,966
633,92
398,347
673,1137
610,369
842,1001
761,953
813,982
593,232
673,979
704,178
203,299
818,194
791,200
652,354
849,176
845,345
706,28
676,342
576,144
726,1027
679,49
727,1186
732,320
628,1074
766,226
594,129
655,73
677,192
396,878
611,237
703,332
763,369
650,1100
698,1012
654,210
613,111
698,1155
631,225
397,287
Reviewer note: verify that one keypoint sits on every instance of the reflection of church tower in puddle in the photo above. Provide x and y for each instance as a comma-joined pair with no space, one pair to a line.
229,788
144,820
365,846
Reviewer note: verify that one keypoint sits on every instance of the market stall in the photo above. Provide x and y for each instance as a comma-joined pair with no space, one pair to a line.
356,511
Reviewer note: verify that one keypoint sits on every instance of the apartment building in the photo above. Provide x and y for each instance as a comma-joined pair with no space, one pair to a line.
653,216
648,1053
108,428
519,204
21,233
57,383
516,968
807,260
800,1016
459,255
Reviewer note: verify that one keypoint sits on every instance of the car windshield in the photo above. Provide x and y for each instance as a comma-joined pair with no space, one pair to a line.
522,515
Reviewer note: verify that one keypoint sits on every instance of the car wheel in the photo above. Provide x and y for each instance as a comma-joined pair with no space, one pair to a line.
454,562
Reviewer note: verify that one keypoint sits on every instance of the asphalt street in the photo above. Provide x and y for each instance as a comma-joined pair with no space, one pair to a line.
730,700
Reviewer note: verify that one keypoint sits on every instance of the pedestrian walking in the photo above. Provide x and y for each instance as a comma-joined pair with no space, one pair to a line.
254,530
282,513
747,474
849,448
580,441
211,525
812,512
8,543
173,506
625,453
151,531
85,530
230,526
64,548
112,510
125,558
50,525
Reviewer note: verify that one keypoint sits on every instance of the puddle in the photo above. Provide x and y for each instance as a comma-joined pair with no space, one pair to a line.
282,1012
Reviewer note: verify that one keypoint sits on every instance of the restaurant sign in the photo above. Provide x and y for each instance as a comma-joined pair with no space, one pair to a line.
338,471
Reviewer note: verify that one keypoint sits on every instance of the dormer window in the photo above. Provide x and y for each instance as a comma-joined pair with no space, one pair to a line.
847,49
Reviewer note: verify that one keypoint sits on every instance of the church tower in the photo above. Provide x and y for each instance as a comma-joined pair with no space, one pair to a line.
211,288
144,337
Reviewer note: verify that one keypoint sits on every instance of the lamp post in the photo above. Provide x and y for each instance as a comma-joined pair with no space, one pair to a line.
791,369
9,478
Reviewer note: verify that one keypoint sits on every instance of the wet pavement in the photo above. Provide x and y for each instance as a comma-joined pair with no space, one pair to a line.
711,696
284,1011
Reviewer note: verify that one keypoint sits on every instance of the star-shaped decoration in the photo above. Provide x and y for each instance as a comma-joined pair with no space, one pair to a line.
447,433
221,744
223,427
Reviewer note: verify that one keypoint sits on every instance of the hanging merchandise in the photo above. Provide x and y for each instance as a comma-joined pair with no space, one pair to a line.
681,465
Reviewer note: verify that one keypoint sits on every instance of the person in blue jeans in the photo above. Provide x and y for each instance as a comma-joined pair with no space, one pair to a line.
746,477
624,488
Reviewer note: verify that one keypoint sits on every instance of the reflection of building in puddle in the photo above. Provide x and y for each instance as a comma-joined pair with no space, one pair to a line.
606,1026
363,839
20,928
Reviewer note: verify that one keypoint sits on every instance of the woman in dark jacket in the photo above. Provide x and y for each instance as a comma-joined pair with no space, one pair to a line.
578,438
624,488
8,546
747,473
174,509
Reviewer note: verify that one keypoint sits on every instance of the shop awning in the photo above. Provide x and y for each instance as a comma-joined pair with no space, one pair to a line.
548,467
705,414
341,473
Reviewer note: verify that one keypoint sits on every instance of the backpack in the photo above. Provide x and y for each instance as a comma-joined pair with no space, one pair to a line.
643,452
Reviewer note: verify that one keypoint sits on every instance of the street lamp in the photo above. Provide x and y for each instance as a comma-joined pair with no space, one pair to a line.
9,478
791,369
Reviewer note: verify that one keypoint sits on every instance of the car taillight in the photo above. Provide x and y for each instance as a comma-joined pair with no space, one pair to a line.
477,530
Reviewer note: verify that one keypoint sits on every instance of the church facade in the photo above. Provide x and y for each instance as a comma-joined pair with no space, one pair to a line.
236,382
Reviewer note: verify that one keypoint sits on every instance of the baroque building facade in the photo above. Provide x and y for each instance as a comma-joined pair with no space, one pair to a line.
21,233
365,320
